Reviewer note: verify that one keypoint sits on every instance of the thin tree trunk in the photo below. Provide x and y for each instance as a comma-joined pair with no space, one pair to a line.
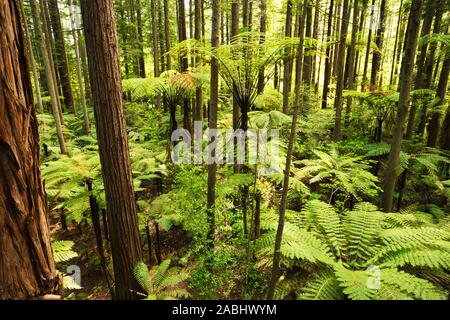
60,54
245,13
103,58
214,96
36,74
287,170
327,72
167,33
409,54
141,59
49,45
49,76
376,59
262,30
26,259
434,124
287,61
340,74
315,35
425,80
394,60
86,124
155,42
307,59
351,59
369,41
198,114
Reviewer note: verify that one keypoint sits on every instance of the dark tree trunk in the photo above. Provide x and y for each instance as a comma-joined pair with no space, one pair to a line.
423,47
327,75
340,74
369,41
103,59
141,60
198,113
214,96
95,216
155,43
262,30
307,60
26,259
376,58
245,8
434,124
350,75
425,80
235,32
287,61
394,60
182,36
167,33
51,84
409,53
60,54
315,35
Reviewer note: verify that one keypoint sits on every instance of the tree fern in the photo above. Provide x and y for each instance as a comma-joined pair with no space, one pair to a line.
161,282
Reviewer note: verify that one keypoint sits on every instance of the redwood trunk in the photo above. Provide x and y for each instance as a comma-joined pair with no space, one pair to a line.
103,60
26,260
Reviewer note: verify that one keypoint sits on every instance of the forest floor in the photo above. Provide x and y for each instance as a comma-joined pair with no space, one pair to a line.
93,280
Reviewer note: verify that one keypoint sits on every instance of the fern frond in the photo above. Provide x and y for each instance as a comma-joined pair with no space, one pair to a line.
322,286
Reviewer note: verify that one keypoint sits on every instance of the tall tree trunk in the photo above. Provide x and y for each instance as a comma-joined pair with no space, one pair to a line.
162,45
307,59
198,114
167,33
26,259
49,45
376,59
84,66
34,68
262,30
182,34
340,71
103,60
350,75
394,60
315,35
245,8
287,61
49,76
214,97
434,124
423,47
60,54
409,54
141,59
369,41
86,124
235,32
155,48
337,28
287,170
425,80
327,72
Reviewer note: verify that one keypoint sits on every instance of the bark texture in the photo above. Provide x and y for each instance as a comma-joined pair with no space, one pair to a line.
26,260
103,60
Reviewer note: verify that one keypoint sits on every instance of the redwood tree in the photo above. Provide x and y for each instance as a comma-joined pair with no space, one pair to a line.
407,67
26,260
103,60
